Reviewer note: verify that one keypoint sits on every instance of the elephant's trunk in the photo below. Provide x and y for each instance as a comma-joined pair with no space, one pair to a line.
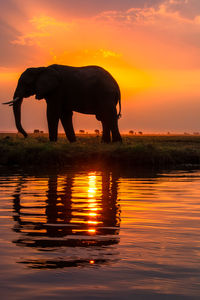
17,113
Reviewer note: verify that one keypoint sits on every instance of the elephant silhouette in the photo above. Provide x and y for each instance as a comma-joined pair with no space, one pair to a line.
87,90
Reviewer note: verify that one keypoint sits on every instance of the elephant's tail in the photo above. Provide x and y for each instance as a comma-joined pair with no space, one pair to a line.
119,115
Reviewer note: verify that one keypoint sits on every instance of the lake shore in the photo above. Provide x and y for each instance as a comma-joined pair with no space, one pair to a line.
159,152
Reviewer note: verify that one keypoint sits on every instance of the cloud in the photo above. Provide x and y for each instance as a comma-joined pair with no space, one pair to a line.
42,27
150,46
108,53
149,34
159,36
168,10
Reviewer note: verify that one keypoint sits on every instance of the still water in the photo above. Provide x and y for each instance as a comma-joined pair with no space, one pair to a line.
100,235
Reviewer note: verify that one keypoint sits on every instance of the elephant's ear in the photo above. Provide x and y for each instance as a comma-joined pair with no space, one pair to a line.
47,82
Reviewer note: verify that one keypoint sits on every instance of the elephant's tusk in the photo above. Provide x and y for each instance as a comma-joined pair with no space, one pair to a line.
11,102
7,102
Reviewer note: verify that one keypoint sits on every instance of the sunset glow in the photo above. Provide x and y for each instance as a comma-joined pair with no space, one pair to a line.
150,47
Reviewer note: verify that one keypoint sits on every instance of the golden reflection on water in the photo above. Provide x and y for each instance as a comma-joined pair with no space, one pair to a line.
93,208
74,221
66,211
92,185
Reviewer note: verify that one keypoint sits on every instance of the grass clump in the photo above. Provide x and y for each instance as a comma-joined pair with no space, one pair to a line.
144,151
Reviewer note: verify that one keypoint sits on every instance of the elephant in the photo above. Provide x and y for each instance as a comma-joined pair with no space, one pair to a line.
87,90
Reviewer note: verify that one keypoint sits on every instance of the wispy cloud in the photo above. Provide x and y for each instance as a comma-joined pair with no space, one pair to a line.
43,26
150,46
168,10
158,35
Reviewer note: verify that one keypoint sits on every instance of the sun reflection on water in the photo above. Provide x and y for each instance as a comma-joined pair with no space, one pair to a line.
92,185
73,221
70,211
92,202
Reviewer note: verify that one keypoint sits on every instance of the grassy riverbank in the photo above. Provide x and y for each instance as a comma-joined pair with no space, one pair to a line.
140,151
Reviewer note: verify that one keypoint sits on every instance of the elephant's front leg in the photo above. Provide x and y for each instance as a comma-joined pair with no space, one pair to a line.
66,119
52,119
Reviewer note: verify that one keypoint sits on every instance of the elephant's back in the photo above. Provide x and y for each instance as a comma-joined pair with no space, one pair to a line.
88,85
100,79
96,72
88,75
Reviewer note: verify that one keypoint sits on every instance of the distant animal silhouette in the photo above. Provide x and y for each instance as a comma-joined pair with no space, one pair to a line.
97,131
81,131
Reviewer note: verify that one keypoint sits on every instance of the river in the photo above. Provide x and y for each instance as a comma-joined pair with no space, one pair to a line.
100,235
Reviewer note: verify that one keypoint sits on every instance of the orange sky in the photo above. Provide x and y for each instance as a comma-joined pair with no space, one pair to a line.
150,47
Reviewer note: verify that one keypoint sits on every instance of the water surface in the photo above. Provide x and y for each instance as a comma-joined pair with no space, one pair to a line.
100,235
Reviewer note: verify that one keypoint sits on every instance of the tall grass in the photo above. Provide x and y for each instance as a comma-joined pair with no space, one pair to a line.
144,151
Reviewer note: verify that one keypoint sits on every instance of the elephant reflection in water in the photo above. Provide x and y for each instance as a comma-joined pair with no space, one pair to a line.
68,222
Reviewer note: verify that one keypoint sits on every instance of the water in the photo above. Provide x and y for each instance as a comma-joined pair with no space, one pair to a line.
100,235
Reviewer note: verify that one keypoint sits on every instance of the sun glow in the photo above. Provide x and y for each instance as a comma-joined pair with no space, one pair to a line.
7,75
152,52
46,31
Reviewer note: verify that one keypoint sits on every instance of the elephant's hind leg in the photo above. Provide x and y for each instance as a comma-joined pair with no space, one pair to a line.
116,137
106,132
66,120
110,124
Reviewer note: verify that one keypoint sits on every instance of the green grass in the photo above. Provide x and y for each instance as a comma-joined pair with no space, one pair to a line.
136,151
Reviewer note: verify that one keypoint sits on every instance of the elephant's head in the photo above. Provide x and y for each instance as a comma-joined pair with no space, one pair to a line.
34,81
